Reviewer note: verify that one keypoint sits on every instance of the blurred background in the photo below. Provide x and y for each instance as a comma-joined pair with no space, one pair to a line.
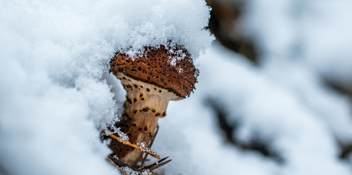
314,33
276,89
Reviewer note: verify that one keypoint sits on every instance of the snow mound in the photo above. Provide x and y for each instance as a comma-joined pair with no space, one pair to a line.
54,94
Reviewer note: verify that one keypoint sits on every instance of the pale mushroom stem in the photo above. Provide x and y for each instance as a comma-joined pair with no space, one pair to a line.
145,104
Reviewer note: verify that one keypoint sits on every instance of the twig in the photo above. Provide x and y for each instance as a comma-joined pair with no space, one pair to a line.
151,143
156,164
113,163
133,145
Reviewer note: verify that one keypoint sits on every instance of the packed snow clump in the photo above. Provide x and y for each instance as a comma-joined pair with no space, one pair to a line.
54,94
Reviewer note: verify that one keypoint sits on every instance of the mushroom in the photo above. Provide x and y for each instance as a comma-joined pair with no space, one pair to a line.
151,81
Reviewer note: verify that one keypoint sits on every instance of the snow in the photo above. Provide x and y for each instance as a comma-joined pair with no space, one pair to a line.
56,94
264,108
304,42
130,171
284,101
335,62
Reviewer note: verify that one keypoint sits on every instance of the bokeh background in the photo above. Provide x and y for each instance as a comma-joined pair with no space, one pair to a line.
275,88
317,38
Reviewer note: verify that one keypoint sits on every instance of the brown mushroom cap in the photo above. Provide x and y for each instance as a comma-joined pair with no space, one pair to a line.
155,67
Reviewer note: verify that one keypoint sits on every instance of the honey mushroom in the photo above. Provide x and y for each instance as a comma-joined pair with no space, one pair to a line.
151,81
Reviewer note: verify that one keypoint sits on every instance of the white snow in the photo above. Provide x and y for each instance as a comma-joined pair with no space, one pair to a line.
263,106
56,95
303,42
284,101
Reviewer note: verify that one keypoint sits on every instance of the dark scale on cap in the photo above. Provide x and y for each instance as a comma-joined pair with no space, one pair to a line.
154,68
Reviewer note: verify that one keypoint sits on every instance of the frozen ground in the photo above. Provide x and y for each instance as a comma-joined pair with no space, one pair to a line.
55,94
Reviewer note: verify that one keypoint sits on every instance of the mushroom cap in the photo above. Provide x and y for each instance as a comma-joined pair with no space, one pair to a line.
160,67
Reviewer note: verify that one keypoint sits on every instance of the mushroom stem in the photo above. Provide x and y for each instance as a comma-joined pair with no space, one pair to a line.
145,104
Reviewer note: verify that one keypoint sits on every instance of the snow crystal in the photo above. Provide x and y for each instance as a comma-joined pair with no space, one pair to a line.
173,62
130,171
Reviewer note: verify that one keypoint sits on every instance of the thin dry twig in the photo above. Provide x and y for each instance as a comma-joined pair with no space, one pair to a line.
151,144
133,145
112,162
156,164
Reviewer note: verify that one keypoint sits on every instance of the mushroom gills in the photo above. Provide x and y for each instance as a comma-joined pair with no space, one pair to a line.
145,104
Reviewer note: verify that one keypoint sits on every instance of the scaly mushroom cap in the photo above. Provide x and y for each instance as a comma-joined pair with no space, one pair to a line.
159,67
